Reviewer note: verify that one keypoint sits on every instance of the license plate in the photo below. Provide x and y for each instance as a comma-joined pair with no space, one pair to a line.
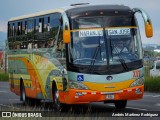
110,96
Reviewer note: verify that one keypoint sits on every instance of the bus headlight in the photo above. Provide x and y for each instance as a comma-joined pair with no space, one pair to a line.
138,82
77,85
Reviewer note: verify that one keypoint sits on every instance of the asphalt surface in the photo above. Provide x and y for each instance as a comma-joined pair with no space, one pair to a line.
10,101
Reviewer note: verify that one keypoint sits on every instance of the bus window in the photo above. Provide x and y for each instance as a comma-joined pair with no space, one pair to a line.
46,24
16,29
30,26
36,25
54,24
13,29
9,30
41,25
19,28
25,27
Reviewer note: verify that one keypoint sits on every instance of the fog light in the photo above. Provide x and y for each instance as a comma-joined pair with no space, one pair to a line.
138,91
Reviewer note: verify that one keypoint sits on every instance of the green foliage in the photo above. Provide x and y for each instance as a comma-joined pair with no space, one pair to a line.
148,53
4,77
152,84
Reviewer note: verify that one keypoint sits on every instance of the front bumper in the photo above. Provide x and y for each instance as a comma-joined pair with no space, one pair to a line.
87,96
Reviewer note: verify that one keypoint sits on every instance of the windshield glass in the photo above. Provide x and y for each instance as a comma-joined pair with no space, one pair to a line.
88,44
104,40
124,45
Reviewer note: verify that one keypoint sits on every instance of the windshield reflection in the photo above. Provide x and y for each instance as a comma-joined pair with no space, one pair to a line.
86,50
102,40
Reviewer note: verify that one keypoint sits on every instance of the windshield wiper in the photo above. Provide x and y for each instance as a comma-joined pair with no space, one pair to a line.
94,57
122,61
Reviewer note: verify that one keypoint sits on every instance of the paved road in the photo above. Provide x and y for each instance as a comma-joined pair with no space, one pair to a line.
8,100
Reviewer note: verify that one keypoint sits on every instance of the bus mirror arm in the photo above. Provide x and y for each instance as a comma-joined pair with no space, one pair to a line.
147,21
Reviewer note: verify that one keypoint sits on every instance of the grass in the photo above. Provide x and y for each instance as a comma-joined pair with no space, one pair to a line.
151,84
4,76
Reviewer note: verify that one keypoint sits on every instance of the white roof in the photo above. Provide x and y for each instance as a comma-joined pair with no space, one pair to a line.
61,10
36,14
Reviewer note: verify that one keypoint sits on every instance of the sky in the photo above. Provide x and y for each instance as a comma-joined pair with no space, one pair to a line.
13,8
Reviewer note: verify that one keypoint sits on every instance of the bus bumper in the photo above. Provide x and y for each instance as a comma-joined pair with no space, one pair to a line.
75,96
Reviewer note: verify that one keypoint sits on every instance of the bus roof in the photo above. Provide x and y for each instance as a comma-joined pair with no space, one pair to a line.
36,14
107,9
73,10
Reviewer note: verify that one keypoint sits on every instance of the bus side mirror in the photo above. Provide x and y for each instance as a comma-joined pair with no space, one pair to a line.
148,29
147,21
66,34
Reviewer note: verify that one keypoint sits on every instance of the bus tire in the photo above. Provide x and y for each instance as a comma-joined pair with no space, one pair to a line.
26,100
23,93
120,104
60,107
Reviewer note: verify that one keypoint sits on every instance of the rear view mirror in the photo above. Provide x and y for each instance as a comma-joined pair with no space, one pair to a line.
147,22
148,29
66,34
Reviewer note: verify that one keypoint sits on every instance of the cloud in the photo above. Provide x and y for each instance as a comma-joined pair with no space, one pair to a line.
3,26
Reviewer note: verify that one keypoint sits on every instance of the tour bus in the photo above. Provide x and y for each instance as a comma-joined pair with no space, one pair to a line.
77,55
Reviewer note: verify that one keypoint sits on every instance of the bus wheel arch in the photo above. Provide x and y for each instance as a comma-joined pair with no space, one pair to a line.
61,107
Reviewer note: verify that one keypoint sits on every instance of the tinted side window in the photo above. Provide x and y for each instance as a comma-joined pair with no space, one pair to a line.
36,25
41,25
16,28
19,28
9,29
30,26
13,29
55,23
23,27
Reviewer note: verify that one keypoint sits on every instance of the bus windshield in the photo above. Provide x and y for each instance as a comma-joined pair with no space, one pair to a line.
105,40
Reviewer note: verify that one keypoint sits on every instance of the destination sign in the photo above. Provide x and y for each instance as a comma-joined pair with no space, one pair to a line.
121,31
90,33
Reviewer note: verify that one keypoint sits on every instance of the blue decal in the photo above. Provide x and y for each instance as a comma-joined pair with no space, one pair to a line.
80,78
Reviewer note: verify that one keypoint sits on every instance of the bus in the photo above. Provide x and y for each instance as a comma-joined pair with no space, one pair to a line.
77,55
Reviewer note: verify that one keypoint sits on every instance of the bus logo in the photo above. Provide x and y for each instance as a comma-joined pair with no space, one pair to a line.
136,73
80,78
109,78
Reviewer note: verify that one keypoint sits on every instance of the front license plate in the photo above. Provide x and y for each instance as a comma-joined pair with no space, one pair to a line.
110,96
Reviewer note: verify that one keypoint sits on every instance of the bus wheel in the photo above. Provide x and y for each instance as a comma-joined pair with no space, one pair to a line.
23,93
61,107
120,104
26,100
